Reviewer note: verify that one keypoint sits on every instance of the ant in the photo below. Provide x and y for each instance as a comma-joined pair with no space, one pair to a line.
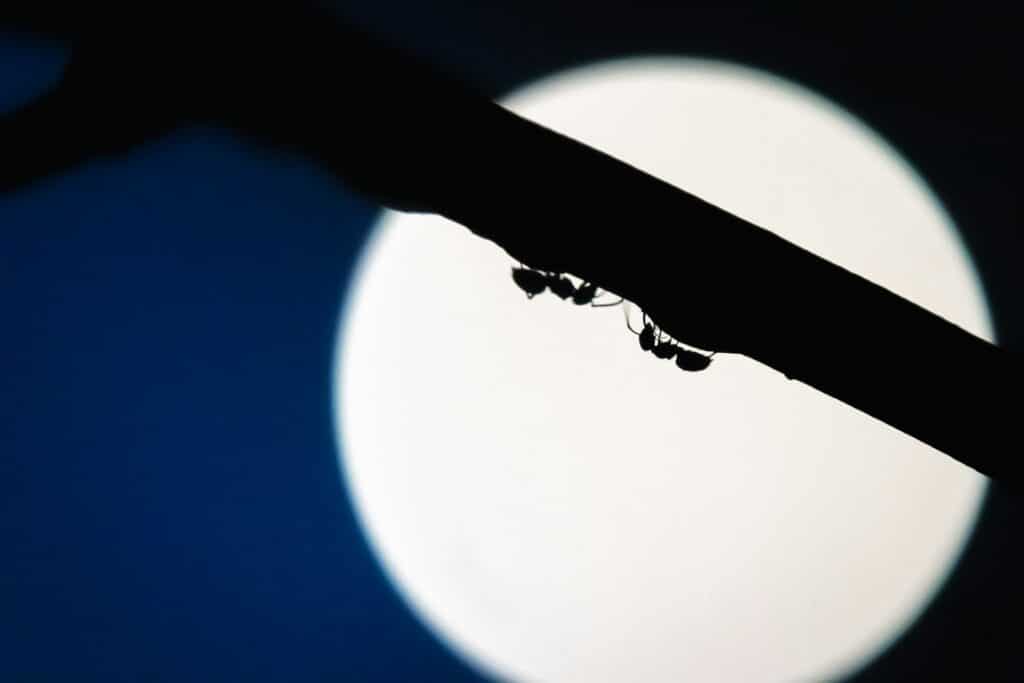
561,286
662,346
587,292
533,282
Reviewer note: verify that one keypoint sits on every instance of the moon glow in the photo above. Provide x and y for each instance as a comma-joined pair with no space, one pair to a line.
557,505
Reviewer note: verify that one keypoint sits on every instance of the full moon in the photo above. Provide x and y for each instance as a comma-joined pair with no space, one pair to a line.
556,505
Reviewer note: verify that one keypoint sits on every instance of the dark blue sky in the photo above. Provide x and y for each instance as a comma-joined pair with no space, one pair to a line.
170,501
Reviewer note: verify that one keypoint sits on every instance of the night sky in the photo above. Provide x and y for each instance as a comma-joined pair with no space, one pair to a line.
171,507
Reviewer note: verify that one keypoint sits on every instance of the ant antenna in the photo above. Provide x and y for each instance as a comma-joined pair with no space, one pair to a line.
614,303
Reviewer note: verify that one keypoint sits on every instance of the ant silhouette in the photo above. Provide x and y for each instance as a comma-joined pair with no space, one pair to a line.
560,286
661,345
534,282
587,292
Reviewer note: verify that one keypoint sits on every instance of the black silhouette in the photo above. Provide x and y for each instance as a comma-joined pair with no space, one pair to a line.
414,140
691,361
587,293
534,282
560,285
664,347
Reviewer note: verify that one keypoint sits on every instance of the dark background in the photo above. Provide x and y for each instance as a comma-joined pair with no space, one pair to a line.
170,500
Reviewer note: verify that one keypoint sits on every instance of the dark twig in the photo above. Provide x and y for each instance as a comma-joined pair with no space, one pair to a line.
293,79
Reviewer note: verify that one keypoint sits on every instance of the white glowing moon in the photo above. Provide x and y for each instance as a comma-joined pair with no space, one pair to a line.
559,506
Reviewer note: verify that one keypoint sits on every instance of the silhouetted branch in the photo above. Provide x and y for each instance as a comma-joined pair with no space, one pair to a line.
412,139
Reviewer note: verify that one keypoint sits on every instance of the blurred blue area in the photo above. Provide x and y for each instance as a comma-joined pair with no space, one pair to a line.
28,66
171,501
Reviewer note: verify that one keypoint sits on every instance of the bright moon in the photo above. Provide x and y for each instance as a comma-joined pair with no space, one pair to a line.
557,505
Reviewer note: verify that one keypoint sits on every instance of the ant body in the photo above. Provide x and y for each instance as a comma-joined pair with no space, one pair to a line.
653,340
533,282
692,361
586,293
561,286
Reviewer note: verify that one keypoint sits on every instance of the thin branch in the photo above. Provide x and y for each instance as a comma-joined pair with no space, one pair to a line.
413,139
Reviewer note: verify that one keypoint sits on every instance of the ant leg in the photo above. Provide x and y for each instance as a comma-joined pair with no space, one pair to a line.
706,354
625,313
599,293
